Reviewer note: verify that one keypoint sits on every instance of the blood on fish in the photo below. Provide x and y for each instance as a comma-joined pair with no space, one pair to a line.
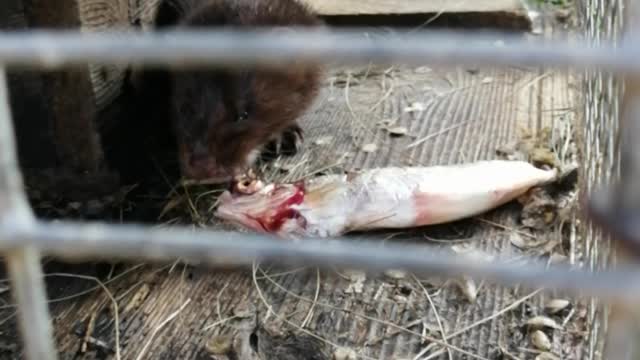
283,212
423,202
335,204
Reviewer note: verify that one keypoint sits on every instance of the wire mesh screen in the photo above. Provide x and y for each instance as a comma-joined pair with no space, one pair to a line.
602,22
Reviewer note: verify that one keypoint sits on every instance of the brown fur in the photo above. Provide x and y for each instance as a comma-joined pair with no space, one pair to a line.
205,105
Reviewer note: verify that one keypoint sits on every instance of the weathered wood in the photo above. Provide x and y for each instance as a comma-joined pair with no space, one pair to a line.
69,93
100,15
28,106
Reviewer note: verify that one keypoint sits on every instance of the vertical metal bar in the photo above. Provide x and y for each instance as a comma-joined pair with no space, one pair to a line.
624,203
23,264
28,290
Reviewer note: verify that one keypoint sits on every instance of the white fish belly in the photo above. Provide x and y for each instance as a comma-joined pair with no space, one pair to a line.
409,197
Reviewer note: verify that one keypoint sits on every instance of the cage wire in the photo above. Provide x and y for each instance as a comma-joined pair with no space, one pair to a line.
601,22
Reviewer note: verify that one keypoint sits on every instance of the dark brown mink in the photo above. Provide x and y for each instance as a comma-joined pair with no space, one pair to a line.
224,119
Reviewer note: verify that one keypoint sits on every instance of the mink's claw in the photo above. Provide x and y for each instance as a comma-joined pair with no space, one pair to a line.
288,143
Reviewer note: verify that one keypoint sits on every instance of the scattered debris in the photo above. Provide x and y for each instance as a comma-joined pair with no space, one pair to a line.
543,156
466,284
422,70
219,345
369,148
540,340
487,80
526,242
344,354
468,288
396,274
553,203
287,167
324,140
554,306
542,322
547,356
415,107
540,209
357,279
397,131
537,149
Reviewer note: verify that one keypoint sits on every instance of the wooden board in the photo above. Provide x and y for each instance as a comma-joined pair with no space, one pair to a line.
29,109
69,93
378,7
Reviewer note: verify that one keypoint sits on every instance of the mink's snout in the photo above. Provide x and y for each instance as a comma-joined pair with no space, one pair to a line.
199,164
225,119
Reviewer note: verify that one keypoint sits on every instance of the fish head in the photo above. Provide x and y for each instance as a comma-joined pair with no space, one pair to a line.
268,209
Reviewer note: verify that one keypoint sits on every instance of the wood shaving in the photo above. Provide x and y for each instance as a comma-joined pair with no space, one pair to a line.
543,321
396,274
468,288
324,140
344,354
524,243
369,148
415,107
398,131
547,356
540,340
556,305
357,279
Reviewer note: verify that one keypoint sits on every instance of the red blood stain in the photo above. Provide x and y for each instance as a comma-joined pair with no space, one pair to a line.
424,203
276,218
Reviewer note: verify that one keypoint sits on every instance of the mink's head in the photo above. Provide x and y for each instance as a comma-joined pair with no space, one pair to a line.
223,119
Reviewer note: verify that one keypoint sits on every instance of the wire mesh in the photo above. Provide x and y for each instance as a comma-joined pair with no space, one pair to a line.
601,22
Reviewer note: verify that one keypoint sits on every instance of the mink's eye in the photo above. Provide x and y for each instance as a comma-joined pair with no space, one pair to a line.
243,116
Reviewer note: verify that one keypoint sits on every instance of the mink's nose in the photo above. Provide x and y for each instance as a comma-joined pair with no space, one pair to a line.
202,162
204,167
201,165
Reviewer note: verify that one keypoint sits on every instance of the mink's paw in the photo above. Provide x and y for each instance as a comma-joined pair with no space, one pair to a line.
288,143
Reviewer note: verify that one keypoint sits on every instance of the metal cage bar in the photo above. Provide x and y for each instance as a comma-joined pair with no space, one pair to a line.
23,262
22,238
231,48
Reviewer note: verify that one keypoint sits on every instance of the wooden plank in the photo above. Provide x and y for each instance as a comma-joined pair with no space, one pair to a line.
380,7
69,93
28,107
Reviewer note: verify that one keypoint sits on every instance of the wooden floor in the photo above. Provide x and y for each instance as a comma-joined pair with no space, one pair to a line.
451,115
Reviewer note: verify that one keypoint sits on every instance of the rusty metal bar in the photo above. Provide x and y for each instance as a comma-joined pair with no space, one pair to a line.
27,285
128,242
41,49
23,262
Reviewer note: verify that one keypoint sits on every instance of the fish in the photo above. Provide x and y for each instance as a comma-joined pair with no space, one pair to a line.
378,198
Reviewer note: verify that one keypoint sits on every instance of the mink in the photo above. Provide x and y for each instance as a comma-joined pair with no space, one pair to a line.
224,119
